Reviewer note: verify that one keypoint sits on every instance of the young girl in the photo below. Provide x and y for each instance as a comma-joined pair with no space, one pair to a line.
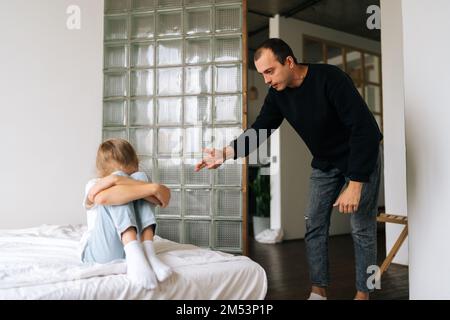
120,211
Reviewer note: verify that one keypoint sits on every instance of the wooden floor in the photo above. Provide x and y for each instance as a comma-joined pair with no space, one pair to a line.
287,270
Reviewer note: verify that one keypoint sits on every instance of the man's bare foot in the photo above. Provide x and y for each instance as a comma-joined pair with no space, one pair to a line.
361,295
318,293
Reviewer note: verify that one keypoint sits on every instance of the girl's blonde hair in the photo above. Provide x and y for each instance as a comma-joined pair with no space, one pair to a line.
116,154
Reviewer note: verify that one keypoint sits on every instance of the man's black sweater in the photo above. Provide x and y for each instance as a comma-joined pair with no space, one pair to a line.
330,115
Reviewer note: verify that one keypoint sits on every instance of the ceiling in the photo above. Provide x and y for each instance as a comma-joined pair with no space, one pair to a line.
344,15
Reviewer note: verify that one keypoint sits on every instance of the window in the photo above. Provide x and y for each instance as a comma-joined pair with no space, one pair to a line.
367,79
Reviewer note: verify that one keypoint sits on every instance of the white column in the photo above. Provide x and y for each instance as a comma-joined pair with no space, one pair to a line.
275,178
393,121
427,99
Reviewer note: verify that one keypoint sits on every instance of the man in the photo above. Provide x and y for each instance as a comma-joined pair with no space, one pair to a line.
322,104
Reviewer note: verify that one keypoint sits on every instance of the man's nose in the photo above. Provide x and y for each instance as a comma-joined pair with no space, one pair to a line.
267,80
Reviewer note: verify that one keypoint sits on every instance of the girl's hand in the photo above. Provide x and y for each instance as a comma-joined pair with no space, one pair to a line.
102,184
153,200
162,194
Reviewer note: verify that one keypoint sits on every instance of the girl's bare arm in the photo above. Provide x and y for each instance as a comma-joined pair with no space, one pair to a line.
117,190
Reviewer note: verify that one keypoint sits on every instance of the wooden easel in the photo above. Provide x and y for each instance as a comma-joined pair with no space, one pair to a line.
383,217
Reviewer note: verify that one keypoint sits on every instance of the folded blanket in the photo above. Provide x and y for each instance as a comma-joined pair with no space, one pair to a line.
49,254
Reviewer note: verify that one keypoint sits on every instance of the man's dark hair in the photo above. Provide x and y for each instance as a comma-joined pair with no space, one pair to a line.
280,49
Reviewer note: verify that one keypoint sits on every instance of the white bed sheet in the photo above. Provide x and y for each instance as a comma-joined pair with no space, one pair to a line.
43,263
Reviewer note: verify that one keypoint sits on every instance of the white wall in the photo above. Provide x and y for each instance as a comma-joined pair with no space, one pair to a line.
254,106
427,115
294,157
51,89
394,121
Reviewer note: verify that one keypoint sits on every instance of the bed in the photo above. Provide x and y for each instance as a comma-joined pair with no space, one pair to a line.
43,263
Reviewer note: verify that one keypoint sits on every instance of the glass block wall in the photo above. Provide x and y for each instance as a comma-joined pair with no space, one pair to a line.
172,86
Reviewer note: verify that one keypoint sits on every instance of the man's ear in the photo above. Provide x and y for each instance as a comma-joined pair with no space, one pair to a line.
290,62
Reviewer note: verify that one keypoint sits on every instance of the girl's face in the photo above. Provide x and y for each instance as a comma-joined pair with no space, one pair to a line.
115,166
116,155
129,170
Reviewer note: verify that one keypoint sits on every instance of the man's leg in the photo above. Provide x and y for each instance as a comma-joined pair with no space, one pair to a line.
364,232
324,189
146,225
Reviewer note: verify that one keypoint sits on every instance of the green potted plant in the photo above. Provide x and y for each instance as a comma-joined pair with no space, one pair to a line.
261,190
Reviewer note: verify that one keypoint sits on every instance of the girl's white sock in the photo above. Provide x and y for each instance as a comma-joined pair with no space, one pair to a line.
162,270
138,269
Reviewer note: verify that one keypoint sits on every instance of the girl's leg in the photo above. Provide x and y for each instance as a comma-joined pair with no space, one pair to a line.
145,211
146,225
114,237
162,270
104,243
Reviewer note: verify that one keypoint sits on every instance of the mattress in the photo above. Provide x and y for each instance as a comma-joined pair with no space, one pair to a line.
43,263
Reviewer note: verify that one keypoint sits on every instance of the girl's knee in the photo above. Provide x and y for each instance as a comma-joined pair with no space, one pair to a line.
126,208
120,173
139,175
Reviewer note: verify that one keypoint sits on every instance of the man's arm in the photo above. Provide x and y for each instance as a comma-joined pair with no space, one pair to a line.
215,157
354,113
269,119
348,200
364,137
